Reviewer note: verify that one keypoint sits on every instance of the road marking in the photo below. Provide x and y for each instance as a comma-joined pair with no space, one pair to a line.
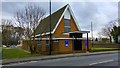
32,61
93,63
100,62
106,61
20,63
15,64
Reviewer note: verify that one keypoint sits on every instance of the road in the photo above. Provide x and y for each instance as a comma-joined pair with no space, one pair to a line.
92,60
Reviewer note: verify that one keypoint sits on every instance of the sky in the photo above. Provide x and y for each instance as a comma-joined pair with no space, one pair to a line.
98,12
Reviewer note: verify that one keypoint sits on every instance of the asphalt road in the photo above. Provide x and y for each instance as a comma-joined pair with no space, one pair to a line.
92,60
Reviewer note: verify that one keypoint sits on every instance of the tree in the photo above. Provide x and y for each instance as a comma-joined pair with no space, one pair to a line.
96,39
7,32
106,31
99,36
112,29
28,19
0,39
115,33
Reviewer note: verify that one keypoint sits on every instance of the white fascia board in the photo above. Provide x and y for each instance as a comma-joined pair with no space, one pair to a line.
61,38
41,38
66,33
36,35
43,34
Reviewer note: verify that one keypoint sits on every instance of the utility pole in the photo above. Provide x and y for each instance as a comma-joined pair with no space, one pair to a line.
73,45
50,40
92,33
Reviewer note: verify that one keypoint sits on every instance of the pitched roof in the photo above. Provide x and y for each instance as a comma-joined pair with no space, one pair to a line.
43,26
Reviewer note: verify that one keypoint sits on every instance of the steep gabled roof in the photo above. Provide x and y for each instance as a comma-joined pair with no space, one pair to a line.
43,27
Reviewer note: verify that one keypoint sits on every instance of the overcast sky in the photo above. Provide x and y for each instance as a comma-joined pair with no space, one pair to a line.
99,13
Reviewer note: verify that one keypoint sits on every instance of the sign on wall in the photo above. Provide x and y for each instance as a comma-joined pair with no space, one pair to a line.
66,43
86,43
118,39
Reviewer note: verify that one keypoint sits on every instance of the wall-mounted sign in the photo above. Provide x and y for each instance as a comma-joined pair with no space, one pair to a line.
118,39
86,43
66,43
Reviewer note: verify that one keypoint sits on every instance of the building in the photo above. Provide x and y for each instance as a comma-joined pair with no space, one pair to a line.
66,33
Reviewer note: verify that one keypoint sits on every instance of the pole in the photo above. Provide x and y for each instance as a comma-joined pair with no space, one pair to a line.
73,46
87,43
92,33
50,31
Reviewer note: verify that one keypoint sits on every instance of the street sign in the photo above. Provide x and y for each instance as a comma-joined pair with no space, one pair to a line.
66,42
118,39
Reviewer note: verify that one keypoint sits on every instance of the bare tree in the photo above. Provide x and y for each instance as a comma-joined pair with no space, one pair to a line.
28,19
7,32
106,31
99,36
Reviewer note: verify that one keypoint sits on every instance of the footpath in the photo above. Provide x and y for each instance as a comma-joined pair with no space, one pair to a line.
37,58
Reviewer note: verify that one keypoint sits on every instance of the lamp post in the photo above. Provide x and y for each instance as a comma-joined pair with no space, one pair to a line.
73,45
87,43
92,33
50,32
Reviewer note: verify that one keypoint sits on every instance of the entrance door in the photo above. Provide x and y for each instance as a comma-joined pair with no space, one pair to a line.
77,44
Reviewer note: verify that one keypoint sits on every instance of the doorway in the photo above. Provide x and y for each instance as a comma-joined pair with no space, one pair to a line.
77,44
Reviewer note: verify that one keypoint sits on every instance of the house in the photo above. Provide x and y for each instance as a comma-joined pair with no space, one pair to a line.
65,31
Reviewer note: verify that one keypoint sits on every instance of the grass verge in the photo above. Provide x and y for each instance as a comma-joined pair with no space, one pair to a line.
102,49
15,53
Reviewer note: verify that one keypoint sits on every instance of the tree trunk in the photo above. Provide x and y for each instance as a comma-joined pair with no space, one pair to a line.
34,40
31,50
30,46
110,39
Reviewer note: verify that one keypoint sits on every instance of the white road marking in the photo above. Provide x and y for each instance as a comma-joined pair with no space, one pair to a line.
93,63
0,66
21,63
100,62
57,59
33,61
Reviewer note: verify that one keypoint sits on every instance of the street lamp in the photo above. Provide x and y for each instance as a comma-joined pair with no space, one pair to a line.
73,45
50,31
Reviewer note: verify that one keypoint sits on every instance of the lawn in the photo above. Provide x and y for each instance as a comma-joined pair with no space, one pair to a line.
15,53
0,48
102,49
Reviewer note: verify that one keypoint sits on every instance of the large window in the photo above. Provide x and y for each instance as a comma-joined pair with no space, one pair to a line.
39,43
47,43
66,25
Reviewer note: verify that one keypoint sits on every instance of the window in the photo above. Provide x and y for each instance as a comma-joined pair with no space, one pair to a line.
47,43
66,25
67,21
39,43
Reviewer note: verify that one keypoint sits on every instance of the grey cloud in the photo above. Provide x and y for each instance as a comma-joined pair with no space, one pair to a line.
100,13
11,7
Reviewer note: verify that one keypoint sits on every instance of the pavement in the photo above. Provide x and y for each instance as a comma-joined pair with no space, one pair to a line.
37,58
